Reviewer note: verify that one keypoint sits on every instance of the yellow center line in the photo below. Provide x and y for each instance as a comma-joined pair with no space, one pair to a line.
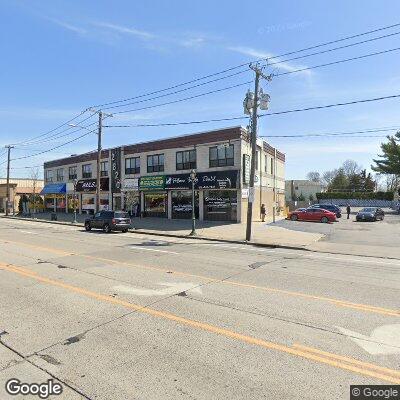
371,372
337,302
347,359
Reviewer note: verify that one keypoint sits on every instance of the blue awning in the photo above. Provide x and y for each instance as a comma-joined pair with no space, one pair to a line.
54,188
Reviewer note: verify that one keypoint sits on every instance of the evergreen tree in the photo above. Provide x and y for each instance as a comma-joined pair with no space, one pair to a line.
389,162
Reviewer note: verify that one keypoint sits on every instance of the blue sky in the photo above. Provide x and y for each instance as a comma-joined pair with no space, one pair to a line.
59,57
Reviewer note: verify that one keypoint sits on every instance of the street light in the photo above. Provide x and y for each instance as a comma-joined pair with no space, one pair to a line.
193,178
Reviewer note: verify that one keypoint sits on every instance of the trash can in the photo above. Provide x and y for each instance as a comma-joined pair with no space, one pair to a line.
53,216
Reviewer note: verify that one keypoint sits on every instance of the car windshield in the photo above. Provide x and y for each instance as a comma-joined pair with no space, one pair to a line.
121,215
368,209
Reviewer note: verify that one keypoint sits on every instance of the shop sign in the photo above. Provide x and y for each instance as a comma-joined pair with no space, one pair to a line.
89,185
245,193
203,180
181,181
116,170
130,184
156,182
217,180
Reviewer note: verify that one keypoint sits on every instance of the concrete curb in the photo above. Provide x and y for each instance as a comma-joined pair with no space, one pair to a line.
146,232
242,242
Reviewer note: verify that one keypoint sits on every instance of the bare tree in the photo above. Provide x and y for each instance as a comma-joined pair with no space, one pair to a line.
314,176
329,176
351,168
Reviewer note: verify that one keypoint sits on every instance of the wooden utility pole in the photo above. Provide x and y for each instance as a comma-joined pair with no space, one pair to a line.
8,178
98,160
253,141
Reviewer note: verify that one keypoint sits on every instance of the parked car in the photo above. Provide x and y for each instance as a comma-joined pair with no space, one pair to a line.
330,207
109,221
312,214
370,214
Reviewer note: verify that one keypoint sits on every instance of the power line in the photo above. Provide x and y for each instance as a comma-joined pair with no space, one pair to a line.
56,147
332,105
334,49
350,134
261,115
246,63
186,98
338,61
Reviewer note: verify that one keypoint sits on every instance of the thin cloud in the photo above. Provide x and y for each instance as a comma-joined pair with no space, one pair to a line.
67,26
126,30
251,52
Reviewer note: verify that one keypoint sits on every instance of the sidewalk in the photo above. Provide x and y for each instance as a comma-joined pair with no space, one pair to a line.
263,233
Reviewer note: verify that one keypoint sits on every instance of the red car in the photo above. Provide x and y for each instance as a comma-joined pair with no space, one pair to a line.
312,214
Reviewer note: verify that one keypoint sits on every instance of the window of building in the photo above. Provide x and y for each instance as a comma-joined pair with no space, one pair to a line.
272,166
104,168
132,165
60,174
72,173
49,175
185,159
86,171
155,163
266,163
221,156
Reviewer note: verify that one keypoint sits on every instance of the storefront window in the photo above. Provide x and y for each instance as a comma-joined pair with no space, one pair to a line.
182,204
220,205
155,204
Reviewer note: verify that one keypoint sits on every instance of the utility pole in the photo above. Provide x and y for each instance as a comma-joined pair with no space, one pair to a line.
98,160
8,178
253,141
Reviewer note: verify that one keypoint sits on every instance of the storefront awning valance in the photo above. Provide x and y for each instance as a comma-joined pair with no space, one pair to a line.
54,188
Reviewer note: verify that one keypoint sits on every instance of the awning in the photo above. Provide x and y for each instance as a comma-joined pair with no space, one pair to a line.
54,188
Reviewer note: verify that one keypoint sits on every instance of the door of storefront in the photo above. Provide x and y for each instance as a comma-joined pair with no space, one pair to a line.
155,204
182,204
220,205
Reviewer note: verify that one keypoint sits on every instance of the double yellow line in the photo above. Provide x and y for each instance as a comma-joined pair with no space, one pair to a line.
334,360
336,302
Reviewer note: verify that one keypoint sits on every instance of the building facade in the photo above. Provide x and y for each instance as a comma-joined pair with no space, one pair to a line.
153,178
302,188
18,188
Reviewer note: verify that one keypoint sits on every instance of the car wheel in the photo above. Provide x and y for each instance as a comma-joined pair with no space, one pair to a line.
124,230
294,217
106,228
382,217
324,220
88,227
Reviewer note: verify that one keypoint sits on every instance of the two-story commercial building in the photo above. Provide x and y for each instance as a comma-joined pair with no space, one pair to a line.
153,178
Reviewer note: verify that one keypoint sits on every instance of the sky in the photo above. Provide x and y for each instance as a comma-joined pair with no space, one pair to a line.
59,57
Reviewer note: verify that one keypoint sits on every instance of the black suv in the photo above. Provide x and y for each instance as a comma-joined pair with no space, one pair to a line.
109,221
330,207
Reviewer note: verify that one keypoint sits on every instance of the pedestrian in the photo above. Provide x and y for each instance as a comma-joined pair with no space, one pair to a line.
348,209
263,212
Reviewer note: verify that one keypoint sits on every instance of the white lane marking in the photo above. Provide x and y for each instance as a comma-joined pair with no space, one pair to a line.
159,251
388,337
171,288
28,232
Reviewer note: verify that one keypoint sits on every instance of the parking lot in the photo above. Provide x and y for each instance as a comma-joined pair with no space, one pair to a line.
350,232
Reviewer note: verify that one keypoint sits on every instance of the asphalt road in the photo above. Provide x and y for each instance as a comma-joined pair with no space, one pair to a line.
128,316
349,231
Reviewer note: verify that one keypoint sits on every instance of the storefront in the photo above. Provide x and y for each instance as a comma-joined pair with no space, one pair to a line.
220,195
86,188
179,187
131,195
55,198
155,199
216,195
